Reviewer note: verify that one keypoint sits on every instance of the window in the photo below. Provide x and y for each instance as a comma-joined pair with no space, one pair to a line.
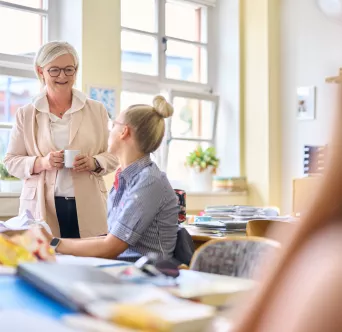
164,50
15,92
25,23
130,98
193,123
4,139
165,39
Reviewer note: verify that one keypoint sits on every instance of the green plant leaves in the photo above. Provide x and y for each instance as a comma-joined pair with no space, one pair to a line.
4,175
203,159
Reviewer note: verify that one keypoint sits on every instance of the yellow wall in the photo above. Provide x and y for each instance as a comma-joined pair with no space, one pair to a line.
260,99
101,51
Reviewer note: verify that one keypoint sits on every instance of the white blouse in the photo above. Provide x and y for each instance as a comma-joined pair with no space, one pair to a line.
60,133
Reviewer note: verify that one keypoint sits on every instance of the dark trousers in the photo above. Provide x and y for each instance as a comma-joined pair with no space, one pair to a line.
67,217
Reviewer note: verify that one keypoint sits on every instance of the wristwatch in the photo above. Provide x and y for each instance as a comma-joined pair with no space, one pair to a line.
98,168
55,243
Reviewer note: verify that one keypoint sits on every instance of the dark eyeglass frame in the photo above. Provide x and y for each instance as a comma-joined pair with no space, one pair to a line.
64,70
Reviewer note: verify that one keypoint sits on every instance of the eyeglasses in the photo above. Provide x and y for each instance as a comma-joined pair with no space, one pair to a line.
56,71
114,122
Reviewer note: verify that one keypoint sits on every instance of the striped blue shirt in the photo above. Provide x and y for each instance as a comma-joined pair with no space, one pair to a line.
143,211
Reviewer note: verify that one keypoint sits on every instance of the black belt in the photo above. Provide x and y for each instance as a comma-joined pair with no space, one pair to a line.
66,198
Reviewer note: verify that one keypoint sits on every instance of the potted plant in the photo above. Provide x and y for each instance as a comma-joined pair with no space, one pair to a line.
203,164
8,183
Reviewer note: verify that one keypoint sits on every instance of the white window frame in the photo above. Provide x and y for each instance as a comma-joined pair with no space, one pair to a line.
163,160
171,88
131,80
19,65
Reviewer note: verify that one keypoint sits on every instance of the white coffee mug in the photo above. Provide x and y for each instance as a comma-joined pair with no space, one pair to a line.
69,157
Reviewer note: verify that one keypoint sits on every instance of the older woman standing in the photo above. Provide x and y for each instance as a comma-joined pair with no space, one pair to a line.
72,201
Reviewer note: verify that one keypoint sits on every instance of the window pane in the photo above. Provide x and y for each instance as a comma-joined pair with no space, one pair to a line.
186,62
129,98
20,38
138,14
14,93
138,53
4,140
176,169
186,21
28,3
193,118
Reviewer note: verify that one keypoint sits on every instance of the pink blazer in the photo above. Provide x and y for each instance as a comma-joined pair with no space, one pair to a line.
88,133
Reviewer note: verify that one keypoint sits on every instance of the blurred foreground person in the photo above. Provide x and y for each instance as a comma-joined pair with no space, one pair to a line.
303,292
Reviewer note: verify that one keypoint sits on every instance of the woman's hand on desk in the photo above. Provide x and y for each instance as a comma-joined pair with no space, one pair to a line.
84,163
47,235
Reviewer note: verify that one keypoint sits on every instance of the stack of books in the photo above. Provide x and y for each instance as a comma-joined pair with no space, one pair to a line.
314,159
232,217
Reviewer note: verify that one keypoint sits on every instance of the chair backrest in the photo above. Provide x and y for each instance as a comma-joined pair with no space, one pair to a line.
185,247
182,205
235,256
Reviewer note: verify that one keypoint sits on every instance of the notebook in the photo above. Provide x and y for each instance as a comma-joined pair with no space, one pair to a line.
58,280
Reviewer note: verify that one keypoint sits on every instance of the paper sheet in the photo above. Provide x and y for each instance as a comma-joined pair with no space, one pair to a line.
28,321
22,222
7,270
90,261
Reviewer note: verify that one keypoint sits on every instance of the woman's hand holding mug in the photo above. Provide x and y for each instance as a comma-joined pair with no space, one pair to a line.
84,163
53,160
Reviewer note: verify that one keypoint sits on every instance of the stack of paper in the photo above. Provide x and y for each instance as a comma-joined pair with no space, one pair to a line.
23,222
143,307
88,261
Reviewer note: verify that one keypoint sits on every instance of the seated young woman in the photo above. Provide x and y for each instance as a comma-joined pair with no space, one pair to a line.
142,206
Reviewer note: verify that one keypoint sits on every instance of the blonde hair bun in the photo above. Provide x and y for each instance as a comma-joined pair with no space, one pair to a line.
162,107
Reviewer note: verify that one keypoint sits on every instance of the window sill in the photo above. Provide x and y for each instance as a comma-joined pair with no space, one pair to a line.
9,195
217,193
197,202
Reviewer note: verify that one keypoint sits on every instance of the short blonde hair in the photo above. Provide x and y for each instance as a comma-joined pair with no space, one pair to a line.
51,51
148,123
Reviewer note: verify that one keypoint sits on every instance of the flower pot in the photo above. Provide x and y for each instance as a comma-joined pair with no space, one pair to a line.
11,186
201,181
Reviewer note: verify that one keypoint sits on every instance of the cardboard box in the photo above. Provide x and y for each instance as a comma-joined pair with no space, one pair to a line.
303,192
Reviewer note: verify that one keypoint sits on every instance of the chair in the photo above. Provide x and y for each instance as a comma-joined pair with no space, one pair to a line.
181,195
235,256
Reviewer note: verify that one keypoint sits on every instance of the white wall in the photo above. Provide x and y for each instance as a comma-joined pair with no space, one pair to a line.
311,49
225,67
68,26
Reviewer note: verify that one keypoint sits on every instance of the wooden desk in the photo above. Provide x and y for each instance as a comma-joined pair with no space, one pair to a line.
201,236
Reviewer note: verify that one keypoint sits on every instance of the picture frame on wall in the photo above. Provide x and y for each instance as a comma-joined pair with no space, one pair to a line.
105,95
306,103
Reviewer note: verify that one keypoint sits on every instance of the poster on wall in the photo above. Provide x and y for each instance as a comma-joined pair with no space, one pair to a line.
306,103
105,95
